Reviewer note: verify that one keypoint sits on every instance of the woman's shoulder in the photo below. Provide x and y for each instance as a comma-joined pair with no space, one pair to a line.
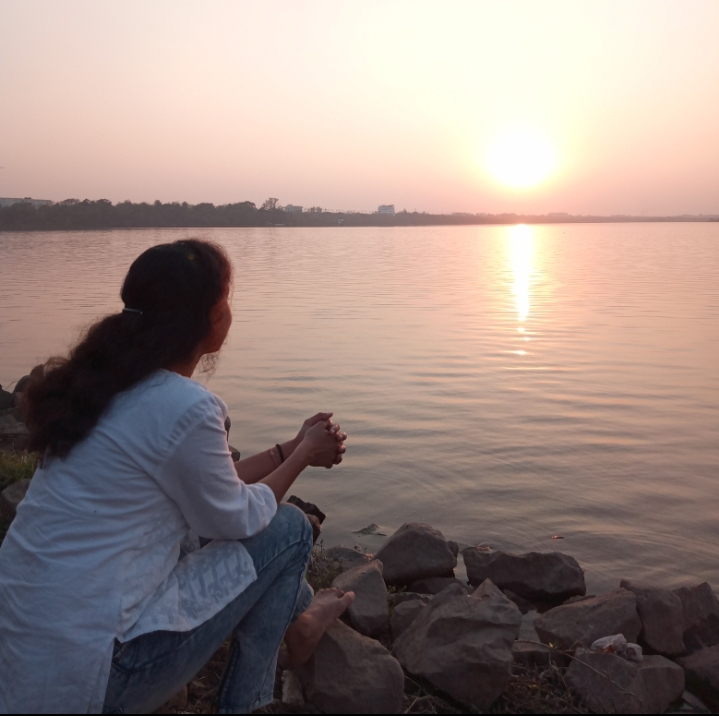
171,395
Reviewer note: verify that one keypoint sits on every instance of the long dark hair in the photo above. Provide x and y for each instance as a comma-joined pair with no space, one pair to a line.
168,293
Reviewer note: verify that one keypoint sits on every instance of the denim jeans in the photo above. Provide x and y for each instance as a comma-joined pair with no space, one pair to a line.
149,669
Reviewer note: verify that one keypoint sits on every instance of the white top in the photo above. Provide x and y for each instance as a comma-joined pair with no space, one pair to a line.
93,552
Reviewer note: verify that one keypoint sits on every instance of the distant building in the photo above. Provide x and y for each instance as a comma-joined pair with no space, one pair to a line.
386,209
293,209
25,200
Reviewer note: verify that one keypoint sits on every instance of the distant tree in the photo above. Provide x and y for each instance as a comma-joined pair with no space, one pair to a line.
270,204
315,210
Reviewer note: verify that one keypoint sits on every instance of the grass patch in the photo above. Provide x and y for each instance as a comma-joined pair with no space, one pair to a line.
15,466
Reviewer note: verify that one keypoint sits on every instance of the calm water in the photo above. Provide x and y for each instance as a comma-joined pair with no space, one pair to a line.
504,384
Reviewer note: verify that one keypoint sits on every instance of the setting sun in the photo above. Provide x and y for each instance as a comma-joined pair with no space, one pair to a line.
521,158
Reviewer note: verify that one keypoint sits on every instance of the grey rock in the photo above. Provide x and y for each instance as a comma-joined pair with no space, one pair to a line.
535,576
10,426
308,508
702,671
404,614
590,619
462,643
236,455
701,616
347,557
369,612
533,655
662,616
6,400
399,597
453,546
523,605
434,585
606,683
416,551
527,632
352,674
663,683
11,497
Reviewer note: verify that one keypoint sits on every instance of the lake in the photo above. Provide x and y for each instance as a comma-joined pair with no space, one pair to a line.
505,384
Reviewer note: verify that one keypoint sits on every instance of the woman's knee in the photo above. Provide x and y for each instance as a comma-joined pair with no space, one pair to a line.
291,519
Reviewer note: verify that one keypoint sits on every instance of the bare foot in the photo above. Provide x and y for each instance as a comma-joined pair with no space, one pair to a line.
303,636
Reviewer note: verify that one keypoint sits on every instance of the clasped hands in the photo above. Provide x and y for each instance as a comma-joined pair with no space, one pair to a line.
321,441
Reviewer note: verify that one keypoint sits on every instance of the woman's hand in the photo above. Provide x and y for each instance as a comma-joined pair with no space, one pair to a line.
309,423
323,443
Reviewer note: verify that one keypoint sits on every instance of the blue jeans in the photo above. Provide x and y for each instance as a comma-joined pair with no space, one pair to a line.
151,668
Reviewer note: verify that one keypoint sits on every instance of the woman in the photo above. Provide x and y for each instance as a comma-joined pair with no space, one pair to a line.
107,603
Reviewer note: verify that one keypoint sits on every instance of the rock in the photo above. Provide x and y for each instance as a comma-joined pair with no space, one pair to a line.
533,655
308,508
523,605
292,689
590,619
399,597
11,497
369,612
701,616
403,615
347,557
535,576
453,547
352,674
609,684
434,585
236,455
10,426
316,527
6,400
416,551
662,617
702,671
527,632
462,643
663,682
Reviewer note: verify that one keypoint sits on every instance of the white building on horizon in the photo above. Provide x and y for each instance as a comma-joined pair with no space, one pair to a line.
25,200
293,209
386,209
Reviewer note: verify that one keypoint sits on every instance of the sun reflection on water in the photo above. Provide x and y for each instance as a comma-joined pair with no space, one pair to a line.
521,253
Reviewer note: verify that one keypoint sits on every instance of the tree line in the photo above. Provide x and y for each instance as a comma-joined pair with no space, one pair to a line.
73,214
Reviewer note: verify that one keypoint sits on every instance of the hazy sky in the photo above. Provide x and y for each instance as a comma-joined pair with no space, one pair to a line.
348,105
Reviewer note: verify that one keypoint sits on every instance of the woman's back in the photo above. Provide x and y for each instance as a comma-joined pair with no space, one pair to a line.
93,542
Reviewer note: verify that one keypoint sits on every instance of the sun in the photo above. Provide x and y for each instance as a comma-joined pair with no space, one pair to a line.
521,158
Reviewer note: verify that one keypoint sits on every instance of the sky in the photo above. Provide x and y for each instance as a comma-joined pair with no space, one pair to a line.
447,106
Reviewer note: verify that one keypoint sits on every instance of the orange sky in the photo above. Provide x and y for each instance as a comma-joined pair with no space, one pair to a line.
348,105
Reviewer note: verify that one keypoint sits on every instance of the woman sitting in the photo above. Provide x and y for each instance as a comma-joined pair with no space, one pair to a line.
107,602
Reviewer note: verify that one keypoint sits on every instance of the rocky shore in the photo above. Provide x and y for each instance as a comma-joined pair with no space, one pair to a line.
520,635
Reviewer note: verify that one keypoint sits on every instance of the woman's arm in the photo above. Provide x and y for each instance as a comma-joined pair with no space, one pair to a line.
255,468
319,448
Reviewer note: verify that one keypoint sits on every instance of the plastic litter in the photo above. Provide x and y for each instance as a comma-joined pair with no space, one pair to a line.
617,644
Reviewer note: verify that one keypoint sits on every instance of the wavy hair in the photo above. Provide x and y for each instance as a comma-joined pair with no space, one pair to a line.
169,292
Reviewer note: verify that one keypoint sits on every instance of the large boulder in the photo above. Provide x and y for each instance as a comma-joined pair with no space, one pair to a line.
352,674
662,617
11,497
369,612
590,619
609,684
416,551
702,671
434,585
701,616
404,614
536,576
462,643
532,655
346,557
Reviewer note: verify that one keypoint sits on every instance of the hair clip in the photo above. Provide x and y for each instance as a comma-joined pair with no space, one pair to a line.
131,310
